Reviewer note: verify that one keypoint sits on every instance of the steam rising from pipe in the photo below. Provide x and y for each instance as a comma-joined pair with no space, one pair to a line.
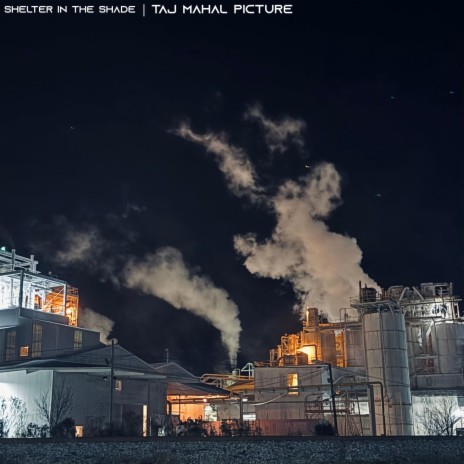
322,266
163,274
166,275
92,320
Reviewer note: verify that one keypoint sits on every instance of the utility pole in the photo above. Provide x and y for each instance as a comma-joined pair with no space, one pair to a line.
111,387
167,355
332,393
241,409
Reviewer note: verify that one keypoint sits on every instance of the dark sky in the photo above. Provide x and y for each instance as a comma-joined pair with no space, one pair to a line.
88,109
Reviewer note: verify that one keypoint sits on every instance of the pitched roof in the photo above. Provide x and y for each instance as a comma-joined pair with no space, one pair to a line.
195,389
95,360
181,382
175,372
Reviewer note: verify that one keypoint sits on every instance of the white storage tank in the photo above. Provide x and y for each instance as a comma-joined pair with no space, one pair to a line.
387,361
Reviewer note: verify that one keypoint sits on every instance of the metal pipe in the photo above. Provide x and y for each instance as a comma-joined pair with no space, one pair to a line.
150,431
65,297
33,266
21,285
111,386
241,408
372,408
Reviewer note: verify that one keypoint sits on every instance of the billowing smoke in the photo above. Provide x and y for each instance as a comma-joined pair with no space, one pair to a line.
92,320
162,274
279,135
233,161
84,246
166,275
323,266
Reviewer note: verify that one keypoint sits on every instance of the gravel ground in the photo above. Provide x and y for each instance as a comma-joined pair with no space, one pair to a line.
390,450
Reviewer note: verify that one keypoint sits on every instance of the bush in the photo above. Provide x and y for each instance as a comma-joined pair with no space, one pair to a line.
65,429
324,428
36,431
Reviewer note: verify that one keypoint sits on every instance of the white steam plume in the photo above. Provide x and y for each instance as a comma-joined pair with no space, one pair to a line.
91,320
85,246
323,266
232,160
165,275
277,134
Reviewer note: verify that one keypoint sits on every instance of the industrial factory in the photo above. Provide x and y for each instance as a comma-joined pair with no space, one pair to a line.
393,364
52,369
395,368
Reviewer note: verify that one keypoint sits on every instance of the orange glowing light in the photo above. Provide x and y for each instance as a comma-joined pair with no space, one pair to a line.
310,351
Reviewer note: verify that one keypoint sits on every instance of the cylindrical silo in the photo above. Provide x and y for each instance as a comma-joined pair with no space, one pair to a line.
387,361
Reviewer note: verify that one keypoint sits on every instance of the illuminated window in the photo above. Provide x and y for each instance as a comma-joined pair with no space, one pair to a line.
292,384
79,431
77,339
145,421
118,385
24,351
10,352
36,340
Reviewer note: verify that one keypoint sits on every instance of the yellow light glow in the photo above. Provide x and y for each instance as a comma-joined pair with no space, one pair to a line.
145,420
310,351
292,384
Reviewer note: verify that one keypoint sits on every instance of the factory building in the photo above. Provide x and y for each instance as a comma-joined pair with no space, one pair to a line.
49,363
394,366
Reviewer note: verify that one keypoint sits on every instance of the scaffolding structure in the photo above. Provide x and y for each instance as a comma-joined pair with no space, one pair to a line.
23,286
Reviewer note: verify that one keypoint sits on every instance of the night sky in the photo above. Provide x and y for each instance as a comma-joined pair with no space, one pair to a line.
107,175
